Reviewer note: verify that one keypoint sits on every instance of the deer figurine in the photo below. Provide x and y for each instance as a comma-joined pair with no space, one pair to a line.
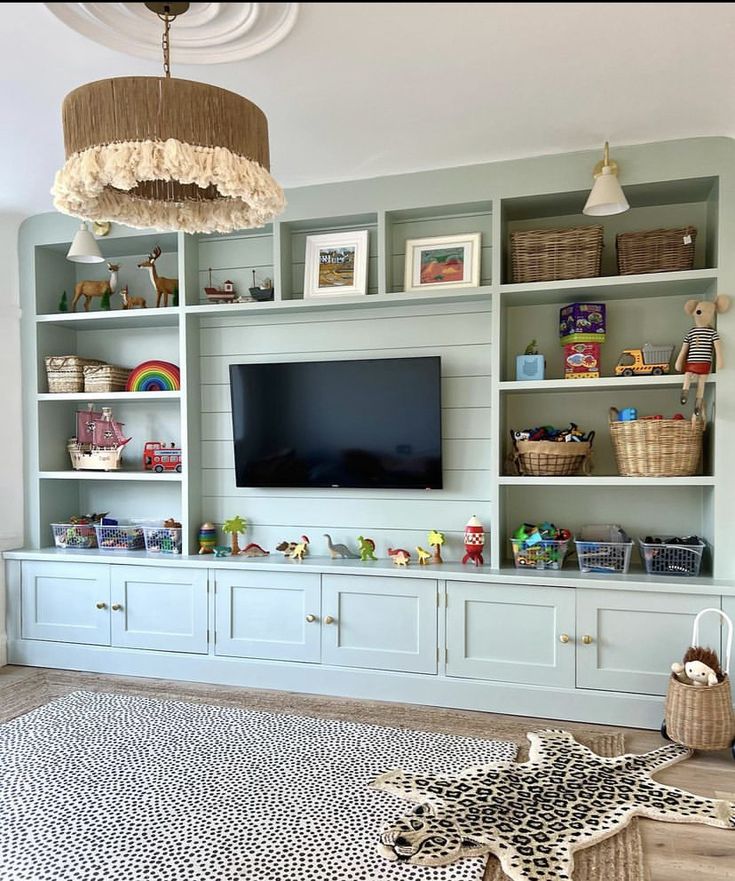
129,302
89,289
162,286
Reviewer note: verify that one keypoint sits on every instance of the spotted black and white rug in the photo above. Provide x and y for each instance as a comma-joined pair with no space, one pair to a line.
109,787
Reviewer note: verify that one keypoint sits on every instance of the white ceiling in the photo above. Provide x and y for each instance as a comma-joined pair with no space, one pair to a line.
365,89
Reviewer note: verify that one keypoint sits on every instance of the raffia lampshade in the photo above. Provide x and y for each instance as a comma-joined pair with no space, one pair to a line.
166,153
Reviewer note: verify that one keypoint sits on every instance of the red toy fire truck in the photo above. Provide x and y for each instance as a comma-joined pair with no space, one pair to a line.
160,457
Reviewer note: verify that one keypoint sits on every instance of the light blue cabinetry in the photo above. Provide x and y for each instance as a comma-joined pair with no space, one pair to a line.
627,641
510,633
380,623
268,615
163,609
65,603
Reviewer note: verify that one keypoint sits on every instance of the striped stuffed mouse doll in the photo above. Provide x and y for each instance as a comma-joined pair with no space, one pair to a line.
701,346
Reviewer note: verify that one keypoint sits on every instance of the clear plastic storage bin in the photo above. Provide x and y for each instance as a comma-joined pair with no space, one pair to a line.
545,554
74,535
123,537
661,558
162,539
604,548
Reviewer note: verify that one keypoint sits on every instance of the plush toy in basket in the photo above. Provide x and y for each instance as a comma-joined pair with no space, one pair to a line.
699,711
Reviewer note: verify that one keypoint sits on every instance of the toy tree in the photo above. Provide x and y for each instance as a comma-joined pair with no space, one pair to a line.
235,525
63,305
175,296
436,540
105,301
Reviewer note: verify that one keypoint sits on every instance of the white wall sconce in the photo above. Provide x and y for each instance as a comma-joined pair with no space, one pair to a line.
84,248
607,196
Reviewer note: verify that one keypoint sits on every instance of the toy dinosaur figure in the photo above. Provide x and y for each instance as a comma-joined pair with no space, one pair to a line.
400,556
339,551
302,548
286,547
254,550
424,556
367,548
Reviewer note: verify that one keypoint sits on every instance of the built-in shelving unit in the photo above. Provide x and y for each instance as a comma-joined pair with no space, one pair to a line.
478,332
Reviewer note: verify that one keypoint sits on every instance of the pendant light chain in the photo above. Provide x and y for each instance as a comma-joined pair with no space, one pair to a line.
165,43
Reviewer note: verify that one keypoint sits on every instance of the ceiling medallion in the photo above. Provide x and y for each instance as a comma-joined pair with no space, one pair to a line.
211,33
166,153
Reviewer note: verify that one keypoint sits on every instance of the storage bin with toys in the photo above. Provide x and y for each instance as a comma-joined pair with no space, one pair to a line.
542,546
699,712
547,451
604,548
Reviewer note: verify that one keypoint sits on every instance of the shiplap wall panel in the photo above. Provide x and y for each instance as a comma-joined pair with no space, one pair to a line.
460,336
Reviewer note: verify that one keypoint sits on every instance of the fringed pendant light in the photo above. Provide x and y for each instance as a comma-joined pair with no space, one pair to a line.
166,153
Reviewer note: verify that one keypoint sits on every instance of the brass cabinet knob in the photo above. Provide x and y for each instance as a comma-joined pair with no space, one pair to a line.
564,638
329,620
101,605
311,618
587,639
116,607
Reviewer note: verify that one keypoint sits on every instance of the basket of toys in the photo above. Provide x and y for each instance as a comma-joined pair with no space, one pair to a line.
163,539
699,712
656,447
603,548
120,537
548,451
656,250
553,254
672,556
540,547
74,535
65,373
105,378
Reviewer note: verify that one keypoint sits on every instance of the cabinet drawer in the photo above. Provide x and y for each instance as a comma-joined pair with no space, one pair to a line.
160,609
633,637
66,602
265,615
380,622
511,633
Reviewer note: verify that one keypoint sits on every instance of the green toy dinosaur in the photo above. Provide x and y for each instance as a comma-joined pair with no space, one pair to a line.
367,548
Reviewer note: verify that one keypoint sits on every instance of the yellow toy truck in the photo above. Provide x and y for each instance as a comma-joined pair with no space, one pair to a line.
649,359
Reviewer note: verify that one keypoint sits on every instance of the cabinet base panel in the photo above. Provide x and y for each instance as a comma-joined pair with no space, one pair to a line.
574,705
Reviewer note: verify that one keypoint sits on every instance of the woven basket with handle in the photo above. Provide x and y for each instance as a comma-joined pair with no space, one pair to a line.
553,254
656,250
656,447
65,373
105,378
702,717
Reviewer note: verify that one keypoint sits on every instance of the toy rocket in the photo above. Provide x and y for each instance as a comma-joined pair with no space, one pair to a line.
474,541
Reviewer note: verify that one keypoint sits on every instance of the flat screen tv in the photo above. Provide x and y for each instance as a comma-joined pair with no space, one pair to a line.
367,423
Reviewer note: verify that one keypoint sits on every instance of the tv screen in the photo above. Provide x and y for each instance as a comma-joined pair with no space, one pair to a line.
369,423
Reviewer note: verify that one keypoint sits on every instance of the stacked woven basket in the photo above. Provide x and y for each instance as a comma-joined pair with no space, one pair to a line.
70,373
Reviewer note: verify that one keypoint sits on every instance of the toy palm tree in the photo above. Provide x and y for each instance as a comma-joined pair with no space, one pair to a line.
436,540
234,526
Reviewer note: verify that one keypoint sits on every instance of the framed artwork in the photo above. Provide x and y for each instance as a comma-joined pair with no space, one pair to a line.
443,262
336,264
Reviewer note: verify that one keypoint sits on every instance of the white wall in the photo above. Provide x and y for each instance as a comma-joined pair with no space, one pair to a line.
11,453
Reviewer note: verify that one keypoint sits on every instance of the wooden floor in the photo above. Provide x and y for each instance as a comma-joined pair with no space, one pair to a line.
673,852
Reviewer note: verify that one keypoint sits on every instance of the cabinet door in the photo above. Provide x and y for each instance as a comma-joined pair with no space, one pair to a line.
381,623
511,633
66,602
627,641
160,609
268,615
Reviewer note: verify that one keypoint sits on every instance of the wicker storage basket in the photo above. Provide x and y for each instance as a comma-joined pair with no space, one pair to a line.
702,718
656,250
65,373
552,458
105,378
656,447
553,254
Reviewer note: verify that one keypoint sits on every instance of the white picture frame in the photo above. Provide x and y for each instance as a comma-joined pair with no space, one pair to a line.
464,262
336,264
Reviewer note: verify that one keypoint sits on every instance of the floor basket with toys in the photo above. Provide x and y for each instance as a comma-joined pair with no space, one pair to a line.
699,711
549,451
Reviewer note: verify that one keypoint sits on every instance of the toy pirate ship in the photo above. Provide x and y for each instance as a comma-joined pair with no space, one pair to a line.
99,442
